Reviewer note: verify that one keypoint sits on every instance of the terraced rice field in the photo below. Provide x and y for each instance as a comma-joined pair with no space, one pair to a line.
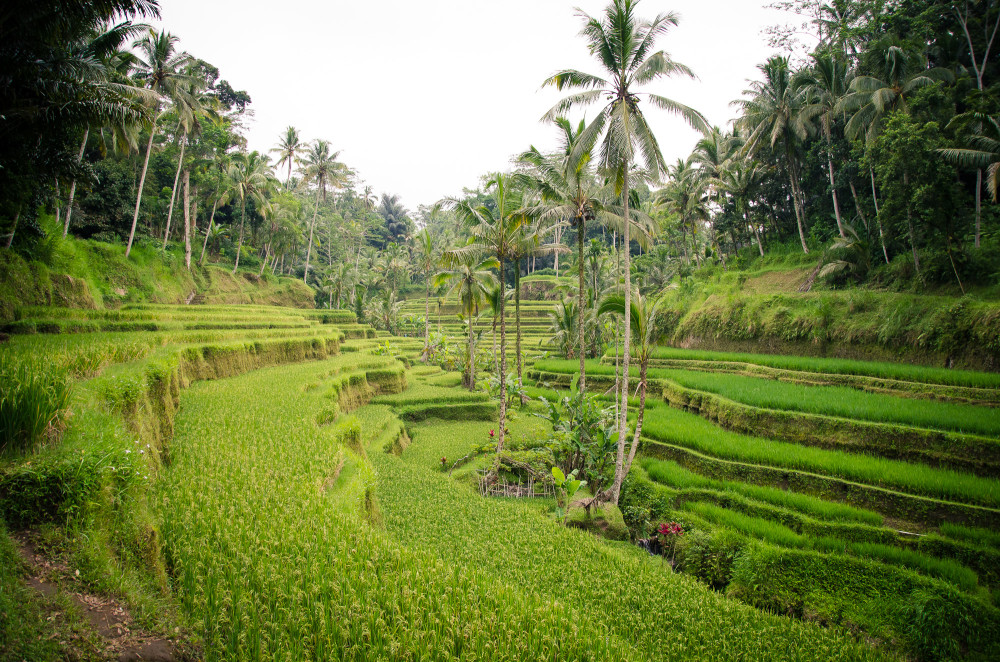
280,474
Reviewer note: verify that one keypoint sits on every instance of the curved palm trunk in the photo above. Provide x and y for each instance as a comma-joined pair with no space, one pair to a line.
208,231
833,190
793,176
878,217
187,219
427,318
857,205
909,224
639,416
173,194
138,197
13,230
503,379
756,232
305,274
623,415
79,160
239,247
517,314
580,227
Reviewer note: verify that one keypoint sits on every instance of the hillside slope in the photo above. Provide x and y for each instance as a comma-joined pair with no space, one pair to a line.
92,274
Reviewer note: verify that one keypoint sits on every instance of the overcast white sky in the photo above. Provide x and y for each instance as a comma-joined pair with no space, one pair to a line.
423,97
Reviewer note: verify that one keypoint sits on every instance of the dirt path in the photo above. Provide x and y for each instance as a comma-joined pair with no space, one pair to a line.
118,636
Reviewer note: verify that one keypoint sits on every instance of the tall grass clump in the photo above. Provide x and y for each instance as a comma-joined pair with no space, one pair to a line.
33,400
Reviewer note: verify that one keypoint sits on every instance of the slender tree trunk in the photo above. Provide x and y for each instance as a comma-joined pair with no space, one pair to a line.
756,232
239,247
138,197
208,231
979,203
626,349
173,194
305,274
796,202
639,415
833,190
954,269
187,219
194,211
10,237
581,229
72,186
517,314
472,355
878,217
857,205
909,224
55,202
558,240
501,433
427,320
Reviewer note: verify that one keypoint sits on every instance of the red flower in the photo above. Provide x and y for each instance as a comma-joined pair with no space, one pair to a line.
492,433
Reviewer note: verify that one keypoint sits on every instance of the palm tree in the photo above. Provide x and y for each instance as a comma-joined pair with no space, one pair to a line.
739,179
323,168
493,296
160,68
871,99
982,133
569,190
685,196
825,83
190,108
643,327
711,154
223,188
468,273
253,179
773,117
563,325
495,228
425,250
104,45
288,149
623,45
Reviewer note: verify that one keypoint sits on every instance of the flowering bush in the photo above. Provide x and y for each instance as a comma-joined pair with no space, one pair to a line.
668,534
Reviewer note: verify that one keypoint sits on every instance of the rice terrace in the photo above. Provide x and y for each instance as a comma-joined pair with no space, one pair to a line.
610,402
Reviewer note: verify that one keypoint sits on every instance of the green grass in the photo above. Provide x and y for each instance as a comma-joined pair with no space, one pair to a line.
901,371
672,474
663,423
839,401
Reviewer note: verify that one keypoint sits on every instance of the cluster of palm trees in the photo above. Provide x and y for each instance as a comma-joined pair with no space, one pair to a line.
821,128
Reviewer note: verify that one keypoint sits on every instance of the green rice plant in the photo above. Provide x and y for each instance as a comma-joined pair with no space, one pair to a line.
841,401
949,570
901,371
764,529
33,399
971,534
663,423
672,474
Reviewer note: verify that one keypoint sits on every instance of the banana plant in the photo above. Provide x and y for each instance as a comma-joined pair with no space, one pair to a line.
566,487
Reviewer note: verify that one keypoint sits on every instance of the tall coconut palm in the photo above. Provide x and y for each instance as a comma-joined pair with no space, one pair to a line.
495,227
190,109
685,196
321,167
623,45
773,118
427,259
569,190
739,179
161,69
469,277
643,326
288,149
253,179
982,134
